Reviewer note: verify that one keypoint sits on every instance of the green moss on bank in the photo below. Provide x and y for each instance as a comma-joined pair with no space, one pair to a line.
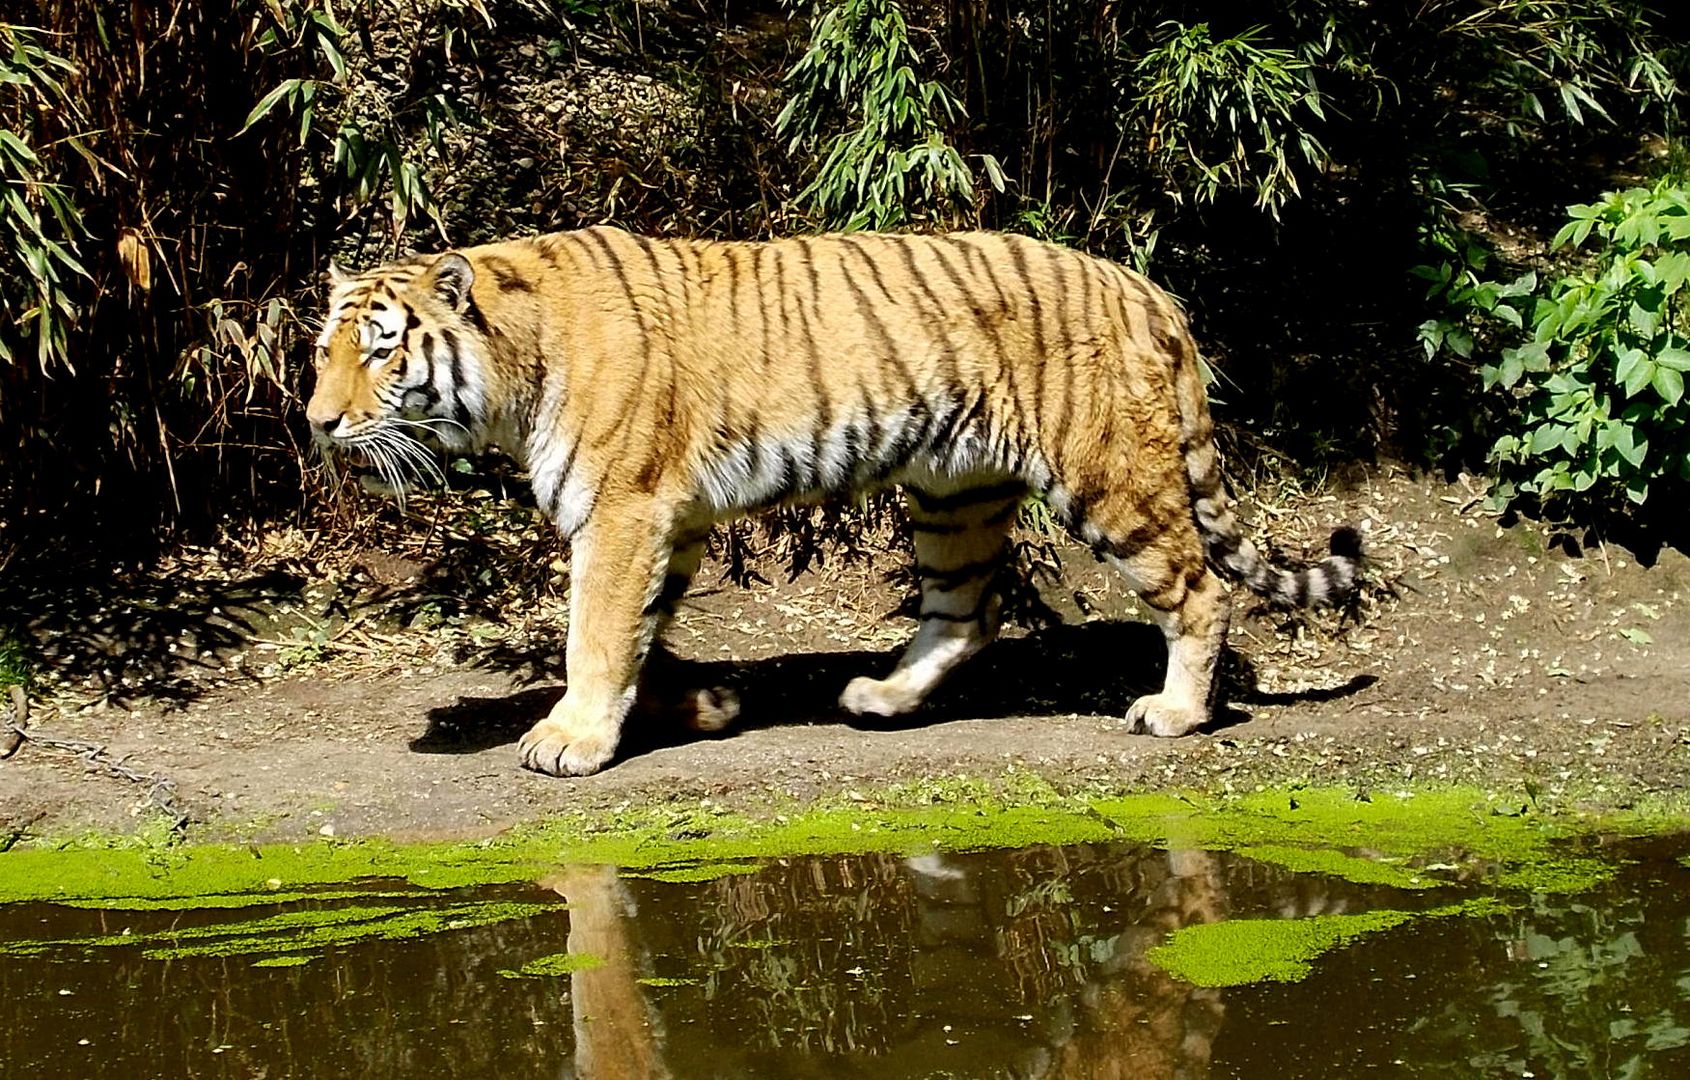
1405,840
1337,864
231,900
1453,826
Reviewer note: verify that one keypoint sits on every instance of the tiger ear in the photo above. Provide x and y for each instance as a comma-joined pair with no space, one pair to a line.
449,280
334,275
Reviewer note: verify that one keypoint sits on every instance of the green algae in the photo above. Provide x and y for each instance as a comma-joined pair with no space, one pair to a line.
238,875
290,960
654,840
1330,831
1339,865
400,926
758,943
662,982
292,931
280,927
563,963
1454,825
236,900
1238,952
695,872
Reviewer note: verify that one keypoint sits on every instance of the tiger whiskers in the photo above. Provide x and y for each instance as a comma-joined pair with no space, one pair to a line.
408,449
398,456
387,468
428,422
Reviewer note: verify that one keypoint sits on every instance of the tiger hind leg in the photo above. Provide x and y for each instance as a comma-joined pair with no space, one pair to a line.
959,545
1193,609
705,709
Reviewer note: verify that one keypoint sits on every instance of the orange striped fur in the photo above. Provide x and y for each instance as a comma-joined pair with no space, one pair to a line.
653,387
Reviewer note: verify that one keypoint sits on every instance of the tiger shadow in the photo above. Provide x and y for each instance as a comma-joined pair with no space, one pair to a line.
1093,668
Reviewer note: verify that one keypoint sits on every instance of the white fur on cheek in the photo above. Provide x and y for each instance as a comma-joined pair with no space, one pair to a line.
474,391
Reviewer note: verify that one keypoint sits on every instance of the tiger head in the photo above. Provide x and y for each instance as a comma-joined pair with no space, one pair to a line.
399,368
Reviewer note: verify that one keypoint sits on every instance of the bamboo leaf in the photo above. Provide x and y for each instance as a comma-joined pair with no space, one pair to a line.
268,102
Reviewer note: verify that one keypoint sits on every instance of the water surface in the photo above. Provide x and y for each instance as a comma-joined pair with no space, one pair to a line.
1025,963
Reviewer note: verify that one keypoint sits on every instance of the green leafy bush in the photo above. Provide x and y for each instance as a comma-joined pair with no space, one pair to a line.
1228,114
39,221
878,128
1600,377
14,661
174,180
373,132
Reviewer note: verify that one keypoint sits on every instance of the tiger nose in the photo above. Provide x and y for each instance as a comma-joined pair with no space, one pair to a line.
326,421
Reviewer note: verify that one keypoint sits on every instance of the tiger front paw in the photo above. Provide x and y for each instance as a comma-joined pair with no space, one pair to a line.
551,748
1160,714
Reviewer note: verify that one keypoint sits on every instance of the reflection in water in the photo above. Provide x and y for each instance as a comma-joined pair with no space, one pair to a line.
1027,964
1023,964
615,1036
383,1008
1592,991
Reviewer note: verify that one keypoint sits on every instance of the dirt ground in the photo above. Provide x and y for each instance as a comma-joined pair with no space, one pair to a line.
1511,658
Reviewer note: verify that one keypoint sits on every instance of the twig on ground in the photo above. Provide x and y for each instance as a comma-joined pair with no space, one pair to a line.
161,791
335,646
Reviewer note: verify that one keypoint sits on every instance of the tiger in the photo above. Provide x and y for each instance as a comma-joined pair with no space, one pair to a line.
654,387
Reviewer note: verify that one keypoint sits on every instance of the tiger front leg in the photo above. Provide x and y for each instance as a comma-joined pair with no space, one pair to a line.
616,576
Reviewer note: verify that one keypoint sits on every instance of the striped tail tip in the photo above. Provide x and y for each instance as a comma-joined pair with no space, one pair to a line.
1327,583
1346,543
1333,581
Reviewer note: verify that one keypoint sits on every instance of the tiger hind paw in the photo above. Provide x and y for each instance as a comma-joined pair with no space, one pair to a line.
1160,714
877,697
710,710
